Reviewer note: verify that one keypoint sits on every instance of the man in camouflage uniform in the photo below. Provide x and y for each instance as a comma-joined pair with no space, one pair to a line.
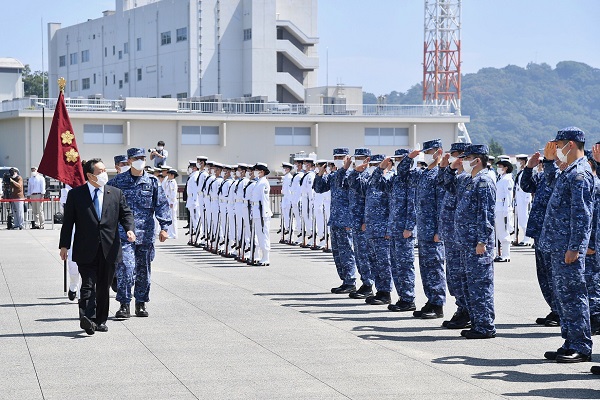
146,199
428,199
474,229
592,265
339,222
454,267
565,235
542,185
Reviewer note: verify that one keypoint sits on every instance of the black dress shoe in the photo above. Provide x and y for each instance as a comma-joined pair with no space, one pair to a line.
572,356
140,310
101,328
429,311
502,259
87,325
460,320
472,334
551,355
343,289
380,299
362,293
187,226
279,231
123,311
402,306
595,370
459,314
72,295
262,264
550,317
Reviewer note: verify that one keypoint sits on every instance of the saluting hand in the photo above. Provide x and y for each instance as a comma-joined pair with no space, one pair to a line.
596,152
363,166
386,163
413,153
130,236
347,161
445,160
534,160
456,164
550,151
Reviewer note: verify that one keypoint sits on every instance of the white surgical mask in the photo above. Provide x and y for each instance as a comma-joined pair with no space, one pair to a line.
561,156
328,170
371,168
467,167
238,174
222,174
317,169
212,171
159,148
501,171
14,175
125,168
338,163
139,164
256,174
102,179
189,171
428,158
451,159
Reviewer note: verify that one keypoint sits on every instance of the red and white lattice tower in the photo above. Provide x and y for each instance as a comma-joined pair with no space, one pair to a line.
441,57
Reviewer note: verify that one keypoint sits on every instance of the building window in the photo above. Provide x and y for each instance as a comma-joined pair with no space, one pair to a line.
114,79
114,50
139,74
126,77
106,52
102,134
85,56
85,83
139,44
181,34
386,136
165,38
74,86
73,58
120,83
166,96
292,136
182,95
126,47
94,79
120,55
106,81
247,34
62,61
200,135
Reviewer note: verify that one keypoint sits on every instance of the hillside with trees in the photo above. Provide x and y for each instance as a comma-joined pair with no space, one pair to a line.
522,108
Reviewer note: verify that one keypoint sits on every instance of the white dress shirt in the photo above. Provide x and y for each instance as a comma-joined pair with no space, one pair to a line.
100,196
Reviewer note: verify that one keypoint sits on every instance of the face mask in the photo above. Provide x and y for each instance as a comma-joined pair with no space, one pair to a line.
428,158
451,159
467,167
338,163
238,174
501,171
102,179
159,148
139,164
222,174
561,156
212,171
317,169
328,169
34,173
371,168
125,168
256,174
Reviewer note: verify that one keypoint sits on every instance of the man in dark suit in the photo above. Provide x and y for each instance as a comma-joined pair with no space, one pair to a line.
95,210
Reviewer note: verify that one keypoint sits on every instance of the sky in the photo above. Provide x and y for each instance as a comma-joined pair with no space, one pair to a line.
376,44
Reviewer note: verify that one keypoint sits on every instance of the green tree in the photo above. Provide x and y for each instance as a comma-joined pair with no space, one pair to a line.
495,148
32,82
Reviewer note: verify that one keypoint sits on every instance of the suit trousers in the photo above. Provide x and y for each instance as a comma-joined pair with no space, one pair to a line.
96,278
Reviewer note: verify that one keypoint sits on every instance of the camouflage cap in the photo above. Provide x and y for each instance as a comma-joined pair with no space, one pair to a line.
119,159
570,133
135,152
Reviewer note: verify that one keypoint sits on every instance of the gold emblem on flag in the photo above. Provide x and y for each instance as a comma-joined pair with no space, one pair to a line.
67,137
62,82
72,155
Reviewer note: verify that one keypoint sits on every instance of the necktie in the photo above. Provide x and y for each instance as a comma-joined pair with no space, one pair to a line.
97,203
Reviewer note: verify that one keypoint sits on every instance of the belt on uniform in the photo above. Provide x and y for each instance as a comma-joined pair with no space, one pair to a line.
255,203
34,194
240,201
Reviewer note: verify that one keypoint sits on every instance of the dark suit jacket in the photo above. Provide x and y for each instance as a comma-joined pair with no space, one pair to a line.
90,232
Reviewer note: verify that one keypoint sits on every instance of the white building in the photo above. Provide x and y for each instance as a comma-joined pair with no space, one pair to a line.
11,82
189,49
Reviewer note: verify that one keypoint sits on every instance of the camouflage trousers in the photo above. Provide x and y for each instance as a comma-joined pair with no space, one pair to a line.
379,254
592,279
478,286
431,266
343,254
134,269
361,254
455,271
402,254
544,275
572,302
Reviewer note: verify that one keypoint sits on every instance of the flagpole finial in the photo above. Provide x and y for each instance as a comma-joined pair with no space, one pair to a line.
61,84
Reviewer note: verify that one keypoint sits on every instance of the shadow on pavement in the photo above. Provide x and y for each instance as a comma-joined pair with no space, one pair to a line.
73,334
56,319
518,376
66,302
560,393
419,338
487,362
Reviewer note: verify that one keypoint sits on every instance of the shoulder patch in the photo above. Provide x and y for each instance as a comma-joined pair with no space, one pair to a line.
579,177
483,184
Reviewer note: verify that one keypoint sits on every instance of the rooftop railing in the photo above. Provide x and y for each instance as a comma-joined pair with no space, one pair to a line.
238,108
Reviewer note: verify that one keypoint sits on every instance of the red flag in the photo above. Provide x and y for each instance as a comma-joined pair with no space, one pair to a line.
61,158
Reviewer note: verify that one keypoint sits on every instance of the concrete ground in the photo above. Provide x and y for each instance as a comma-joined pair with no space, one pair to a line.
222,330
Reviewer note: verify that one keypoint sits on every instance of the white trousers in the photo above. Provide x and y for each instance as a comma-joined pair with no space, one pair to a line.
504,226
172,230
262,235
286,207
297,223
307,214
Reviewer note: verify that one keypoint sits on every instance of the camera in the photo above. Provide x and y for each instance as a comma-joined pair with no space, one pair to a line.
151,150
6,187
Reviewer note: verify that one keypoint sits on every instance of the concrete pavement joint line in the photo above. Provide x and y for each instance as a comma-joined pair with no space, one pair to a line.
23,333
250,339
159,360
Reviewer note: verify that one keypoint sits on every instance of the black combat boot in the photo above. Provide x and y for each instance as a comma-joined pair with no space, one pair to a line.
123,311
140,310
362,293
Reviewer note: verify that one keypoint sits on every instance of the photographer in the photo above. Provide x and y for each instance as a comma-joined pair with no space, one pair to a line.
16,192
159,154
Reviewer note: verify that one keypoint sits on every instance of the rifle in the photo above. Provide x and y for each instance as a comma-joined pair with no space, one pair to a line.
242,244
252,244
227,235
314,234
215,238
291,224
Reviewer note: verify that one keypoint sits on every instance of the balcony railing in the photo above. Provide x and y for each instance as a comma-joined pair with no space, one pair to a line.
240,108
